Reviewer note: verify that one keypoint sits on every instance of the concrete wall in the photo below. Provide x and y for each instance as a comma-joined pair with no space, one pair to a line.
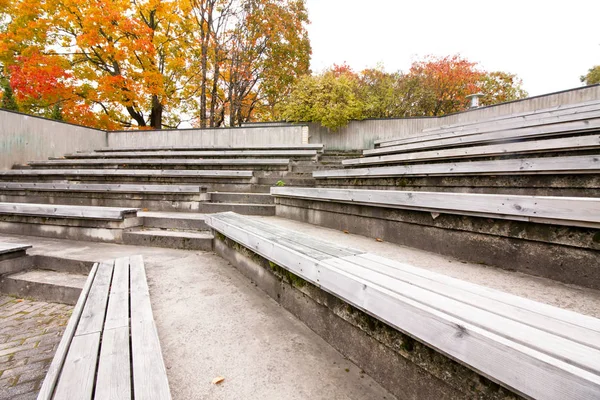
25,138
360,135
244,136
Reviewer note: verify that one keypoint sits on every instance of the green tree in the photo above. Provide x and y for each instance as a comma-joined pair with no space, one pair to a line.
330,99
8,101
592,77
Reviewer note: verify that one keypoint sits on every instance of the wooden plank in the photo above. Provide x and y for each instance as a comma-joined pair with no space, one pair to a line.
399,279
92,317
63,211
77,377
580,321
524,369
216,147
576,143
197,154
519,166
117,313
49,384
152,161
560,116
114,367
570,211
505,135
574,108
7,248
149,373
129,172
100,188
300,242
141,309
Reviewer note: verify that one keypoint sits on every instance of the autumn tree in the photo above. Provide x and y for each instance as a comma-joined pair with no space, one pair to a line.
500,87
592,77
153,63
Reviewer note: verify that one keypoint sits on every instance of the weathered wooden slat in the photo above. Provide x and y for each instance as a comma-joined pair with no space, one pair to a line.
568,319
512,363
49,384
226,174
77,377
92,317
576,143
62,211
152,161
519,166
113,380
100,188
501,135
197,154
570,211
149,373
214,148
141,309
573,108
117,313
6,248
559,116
510,321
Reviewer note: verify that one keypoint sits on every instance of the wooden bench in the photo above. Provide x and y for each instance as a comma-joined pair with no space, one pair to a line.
101,188
110,347
533,349
62,211
12,250
241,163
318,147
150,173
197,154
511,121
569,211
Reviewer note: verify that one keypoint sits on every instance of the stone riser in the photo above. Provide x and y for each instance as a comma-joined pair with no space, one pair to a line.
40,291
182,203
244,209
179,240
91,234
565,254
231,167
246,198
175,223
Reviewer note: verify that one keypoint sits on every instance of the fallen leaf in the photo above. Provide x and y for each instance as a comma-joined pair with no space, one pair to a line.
345,231
218,380
19,300
144,209
379,240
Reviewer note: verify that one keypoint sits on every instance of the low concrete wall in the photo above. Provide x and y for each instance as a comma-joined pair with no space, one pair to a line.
26,138
234,137
359,135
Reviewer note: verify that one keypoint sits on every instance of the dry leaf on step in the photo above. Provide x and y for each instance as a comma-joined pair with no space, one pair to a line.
218,380
345,231
379,240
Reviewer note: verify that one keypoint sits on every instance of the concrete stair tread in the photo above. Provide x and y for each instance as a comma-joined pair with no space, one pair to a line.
51,278
179,234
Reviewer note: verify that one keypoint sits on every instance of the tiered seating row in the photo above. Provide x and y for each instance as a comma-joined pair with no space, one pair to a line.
533,349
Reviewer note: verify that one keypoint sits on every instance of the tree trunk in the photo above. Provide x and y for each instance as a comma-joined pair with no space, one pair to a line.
156,113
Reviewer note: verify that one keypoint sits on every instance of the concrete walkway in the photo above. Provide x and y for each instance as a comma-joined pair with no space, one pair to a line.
214,322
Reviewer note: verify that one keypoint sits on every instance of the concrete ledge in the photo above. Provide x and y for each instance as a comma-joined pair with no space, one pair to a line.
566,254
405,367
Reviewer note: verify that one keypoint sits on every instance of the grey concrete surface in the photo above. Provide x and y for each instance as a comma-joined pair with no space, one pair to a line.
24,138
571,297
213,322
44,285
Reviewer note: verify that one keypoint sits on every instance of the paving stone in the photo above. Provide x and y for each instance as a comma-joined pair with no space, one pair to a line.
29,334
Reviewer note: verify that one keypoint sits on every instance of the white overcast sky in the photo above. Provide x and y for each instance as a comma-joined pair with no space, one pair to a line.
549,44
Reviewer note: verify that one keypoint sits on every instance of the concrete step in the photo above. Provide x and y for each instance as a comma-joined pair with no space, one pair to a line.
247,198
287,181
169,239
240,208
44,285
173,220
240,164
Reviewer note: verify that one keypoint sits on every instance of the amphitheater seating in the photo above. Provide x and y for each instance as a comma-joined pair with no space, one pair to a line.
537,350
110,348
197,154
